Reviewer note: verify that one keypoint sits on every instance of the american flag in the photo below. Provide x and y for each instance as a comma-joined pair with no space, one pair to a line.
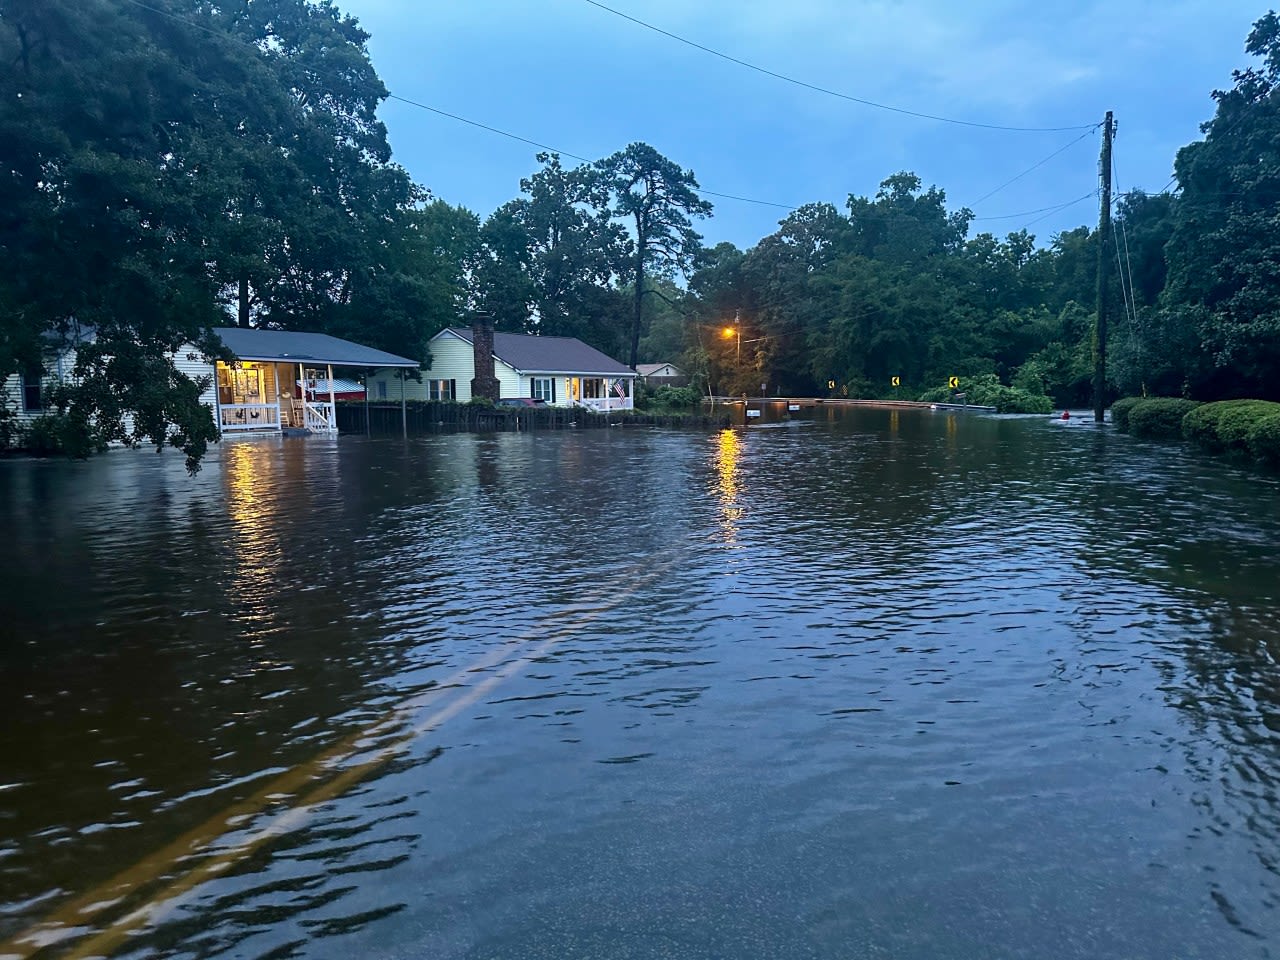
620,388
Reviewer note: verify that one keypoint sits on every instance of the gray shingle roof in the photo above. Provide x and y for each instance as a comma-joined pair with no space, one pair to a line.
293,347
649,369
548,354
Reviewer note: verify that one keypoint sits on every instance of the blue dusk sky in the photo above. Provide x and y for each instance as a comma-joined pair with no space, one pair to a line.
579,78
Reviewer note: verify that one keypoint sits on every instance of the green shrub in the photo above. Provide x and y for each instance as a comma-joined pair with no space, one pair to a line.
1120,411
1264,438
1235,426
988,391
43,436
1159,417
1225,425
669,396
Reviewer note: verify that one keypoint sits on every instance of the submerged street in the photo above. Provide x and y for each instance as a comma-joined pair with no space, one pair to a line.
866,683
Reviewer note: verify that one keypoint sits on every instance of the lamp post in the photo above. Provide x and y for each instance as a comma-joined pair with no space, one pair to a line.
736,331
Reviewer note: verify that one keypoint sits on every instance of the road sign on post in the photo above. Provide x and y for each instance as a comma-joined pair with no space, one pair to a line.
953,383
831,384
895,381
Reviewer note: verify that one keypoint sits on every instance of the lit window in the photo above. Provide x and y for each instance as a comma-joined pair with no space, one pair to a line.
441,389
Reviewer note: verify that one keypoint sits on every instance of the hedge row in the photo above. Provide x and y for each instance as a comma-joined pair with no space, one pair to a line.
1250,427
1159,418
1247,427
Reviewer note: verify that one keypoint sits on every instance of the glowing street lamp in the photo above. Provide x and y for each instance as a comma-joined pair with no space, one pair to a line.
735,332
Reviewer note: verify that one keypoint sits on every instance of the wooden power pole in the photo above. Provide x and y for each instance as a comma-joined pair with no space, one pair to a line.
1104,261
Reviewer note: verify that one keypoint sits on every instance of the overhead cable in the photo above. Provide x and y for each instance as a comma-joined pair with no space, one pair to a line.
417,104
1063,206
1035,166
826,90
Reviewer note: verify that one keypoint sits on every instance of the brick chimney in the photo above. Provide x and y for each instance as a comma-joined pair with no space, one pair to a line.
484,384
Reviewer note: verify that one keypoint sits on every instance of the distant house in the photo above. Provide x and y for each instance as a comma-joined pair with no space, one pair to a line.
281,380
658,370
662,375
560,370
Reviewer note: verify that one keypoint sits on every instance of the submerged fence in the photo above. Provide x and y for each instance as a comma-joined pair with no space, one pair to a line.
381,419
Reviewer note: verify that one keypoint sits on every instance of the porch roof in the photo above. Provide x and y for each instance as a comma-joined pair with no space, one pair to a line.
290,346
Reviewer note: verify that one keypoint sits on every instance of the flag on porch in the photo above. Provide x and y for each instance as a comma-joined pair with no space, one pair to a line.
620,388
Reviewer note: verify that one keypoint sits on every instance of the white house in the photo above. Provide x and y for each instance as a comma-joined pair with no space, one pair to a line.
282,379
658,371
560,370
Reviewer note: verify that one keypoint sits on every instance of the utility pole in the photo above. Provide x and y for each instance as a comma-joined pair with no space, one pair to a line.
1104,261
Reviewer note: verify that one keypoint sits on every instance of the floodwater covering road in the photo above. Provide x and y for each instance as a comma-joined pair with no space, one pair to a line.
869,683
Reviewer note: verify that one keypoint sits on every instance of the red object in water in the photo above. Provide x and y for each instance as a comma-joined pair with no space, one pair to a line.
1066,414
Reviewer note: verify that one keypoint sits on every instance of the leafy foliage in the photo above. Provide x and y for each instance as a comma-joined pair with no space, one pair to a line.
988,391
1120,411
172,166
658,200
1235,426
1159,417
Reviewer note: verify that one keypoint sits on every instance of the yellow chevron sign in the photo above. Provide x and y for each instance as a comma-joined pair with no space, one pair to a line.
953,383
895,381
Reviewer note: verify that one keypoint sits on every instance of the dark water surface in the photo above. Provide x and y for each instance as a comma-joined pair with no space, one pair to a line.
881,684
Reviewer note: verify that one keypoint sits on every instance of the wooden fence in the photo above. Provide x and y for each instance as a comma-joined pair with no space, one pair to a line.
381,419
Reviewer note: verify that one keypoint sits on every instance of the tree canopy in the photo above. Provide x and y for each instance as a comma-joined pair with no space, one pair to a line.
177,165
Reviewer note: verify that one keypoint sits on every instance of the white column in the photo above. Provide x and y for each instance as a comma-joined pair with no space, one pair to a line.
333,403
275,377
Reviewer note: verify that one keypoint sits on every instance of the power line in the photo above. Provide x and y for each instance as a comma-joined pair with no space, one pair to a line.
1063,206
1035,166
1027,213
485,126
408,101
461,119
825,90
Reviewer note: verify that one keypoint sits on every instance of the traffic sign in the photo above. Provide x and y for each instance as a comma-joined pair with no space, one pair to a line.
831,384
953,383
896,381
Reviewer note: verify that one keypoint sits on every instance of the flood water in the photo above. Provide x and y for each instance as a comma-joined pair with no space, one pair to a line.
872,684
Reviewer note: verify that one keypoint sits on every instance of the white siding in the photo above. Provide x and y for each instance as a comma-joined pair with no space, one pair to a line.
189,360
56,371
511,384
451,359
12,390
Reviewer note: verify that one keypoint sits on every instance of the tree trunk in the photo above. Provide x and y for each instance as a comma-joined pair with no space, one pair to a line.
635,320
242,311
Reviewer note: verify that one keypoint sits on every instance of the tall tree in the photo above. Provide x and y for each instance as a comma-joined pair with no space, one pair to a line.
1224,251
657,199
176,161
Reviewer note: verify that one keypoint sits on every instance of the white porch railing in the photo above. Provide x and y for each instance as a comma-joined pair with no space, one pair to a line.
608,403
319,417
249,416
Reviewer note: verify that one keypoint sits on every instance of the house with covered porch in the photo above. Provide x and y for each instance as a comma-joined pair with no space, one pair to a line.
283,379
562,371
280,380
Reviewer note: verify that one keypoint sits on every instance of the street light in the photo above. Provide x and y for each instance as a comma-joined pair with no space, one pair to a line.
735,331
